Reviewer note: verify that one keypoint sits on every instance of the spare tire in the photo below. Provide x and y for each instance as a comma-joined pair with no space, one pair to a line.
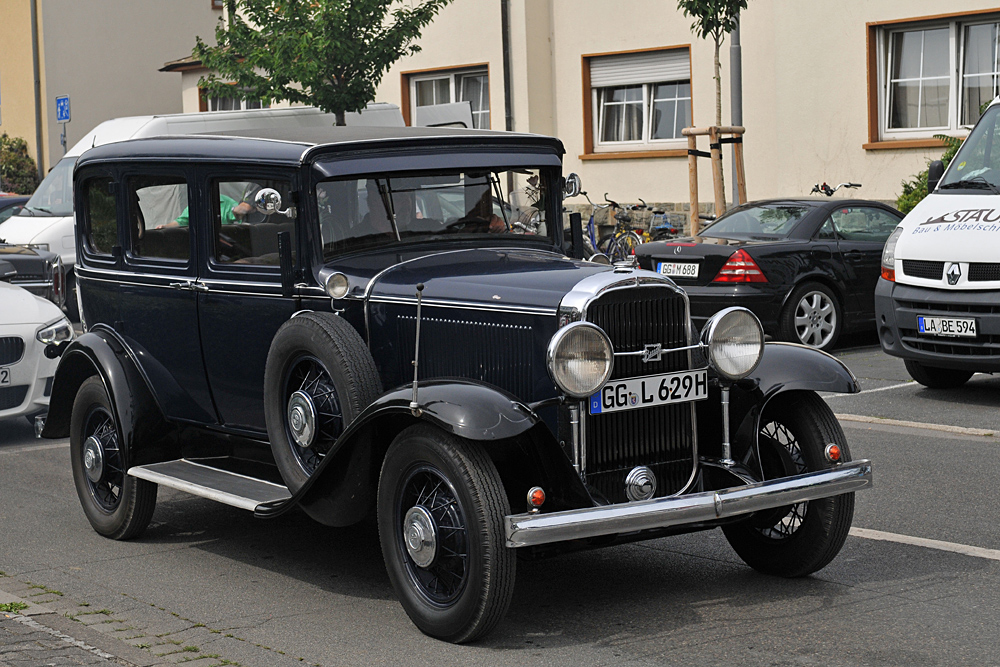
318,378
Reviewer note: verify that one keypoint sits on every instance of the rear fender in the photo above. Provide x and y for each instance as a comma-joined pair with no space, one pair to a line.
342,490
102,353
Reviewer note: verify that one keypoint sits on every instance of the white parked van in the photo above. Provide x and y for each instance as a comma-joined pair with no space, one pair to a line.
47,218
937,304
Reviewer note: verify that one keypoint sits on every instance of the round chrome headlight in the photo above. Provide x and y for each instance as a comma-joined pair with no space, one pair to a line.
580,359
337,285
735,342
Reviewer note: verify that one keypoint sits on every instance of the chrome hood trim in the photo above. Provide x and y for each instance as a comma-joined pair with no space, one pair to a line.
574,304
524,530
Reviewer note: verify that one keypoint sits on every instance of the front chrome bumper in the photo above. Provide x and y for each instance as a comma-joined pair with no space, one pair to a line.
524,530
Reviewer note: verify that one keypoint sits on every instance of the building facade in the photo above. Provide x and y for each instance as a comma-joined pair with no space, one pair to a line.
847,91
103,55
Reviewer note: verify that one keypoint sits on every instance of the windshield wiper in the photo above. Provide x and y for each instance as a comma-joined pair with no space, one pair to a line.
974,183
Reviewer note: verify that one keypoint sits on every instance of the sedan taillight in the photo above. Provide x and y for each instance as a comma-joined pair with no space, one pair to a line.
740,268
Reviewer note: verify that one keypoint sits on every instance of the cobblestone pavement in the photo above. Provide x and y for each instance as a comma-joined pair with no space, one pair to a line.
26,643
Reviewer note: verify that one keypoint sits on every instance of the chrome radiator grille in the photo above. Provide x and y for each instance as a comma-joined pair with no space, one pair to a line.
661,437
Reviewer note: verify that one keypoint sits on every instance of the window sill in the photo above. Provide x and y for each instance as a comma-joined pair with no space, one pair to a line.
903,143
632,155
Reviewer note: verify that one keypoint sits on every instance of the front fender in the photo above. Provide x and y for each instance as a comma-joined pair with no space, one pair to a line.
783,367
102,353
341,490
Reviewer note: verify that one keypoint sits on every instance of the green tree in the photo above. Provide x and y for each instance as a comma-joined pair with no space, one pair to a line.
18,173
915,189
715,19
330,54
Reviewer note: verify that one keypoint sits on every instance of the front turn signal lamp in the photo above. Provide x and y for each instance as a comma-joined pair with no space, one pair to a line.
889,255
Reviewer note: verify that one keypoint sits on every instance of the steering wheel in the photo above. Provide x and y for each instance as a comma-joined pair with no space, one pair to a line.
469,224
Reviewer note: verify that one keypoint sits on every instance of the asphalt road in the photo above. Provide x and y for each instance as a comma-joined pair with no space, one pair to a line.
917,583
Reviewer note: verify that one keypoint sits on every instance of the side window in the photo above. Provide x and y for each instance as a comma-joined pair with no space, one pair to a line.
102,215
242,233
827,231
158,217
863,223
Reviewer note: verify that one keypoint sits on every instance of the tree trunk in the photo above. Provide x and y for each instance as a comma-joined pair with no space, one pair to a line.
718,96
341,118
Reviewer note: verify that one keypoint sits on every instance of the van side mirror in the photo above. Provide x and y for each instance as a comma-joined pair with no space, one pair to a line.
935,170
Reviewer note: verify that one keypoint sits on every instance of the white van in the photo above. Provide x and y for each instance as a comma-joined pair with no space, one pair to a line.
937,304
47,218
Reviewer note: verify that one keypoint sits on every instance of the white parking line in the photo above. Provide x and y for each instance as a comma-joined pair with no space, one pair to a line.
947,428
964,549
869,391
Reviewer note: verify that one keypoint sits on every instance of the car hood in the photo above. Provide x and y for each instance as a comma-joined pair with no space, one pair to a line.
24,228
509,278
19,306
952,228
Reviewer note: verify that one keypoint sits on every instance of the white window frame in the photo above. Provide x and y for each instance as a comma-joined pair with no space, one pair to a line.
454,78
956,59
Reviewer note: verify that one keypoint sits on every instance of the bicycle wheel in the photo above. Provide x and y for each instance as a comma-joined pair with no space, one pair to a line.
627,243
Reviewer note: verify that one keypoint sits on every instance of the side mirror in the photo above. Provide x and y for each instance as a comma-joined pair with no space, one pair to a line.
572,186
268,201
935,170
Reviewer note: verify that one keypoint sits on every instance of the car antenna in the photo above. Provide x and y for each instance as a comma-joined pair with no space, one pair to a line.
414,405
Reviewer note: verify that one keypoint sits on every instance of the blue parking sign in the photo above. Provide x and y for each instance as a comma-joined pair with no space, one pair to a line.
62,109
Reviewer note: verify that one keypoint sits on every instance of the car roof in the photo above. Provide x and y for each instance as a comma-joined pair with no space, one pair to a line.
297,145
819,202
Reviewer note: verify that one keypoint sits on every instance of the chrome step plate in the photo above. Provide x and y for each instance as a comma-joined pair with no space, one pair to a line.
220,485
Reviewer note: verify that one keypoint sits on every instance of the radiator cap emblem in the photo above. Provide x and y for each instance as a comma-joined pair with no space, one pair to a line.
640,483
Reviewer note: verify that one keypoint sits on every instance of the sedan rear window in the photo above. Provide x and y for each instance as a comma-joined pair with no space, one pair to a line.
758,219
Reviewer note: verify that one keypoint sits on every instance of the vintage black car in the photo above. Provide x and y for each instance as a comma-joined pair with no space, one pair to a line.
303,321
806,267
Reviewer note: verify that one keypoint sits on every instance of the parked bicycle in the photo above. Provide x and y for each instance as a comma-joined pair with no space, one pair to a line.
828,191
620,244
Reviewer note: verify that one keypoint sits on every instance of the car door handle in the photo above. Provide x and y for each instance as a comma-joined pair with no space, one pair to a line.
190,285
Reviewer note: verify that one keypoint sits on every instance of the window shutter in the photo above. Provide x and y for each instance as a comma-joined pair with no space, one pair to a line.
634,68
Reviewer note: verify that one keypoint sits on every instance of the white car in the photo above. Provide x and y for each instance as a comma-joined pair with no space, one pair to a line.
28,324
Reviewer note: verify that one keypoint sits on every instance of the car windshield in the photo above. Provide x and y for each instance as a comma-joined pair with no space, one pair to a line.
55,194
359,213
758,220
977,163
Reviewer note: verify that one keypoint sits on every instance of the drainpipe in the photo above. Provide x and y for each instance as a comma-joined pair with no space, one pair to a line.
508,106
735,92
38,90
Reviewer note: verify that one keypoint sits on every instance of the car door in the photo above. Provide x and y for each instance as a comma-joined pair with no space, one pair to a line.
157,301
861,233
241,305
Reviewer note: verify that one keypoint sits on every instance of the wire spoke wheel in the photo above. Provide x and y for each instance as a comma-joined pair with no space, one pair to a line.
434,535
776,435
314,417
102,459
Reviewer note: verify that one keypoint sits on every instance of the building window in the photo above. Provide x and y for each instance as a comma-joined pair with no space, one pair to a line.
934,76
640,101
430,89
234,104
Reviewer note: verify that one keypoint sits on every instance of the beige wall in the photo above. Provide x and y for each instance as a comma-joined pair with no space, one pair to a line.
105,56
805,100
17,98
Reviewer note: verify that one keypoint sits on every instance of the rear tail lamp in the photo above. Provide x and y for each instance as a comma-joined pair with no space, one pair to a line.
740,268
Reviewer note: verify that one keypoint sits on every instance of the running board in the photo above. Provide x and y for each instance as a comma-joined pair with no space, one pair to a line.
212,483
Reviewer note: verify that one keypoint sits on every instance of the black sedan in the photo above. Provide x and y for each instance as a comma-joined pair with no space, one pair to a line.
806,267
